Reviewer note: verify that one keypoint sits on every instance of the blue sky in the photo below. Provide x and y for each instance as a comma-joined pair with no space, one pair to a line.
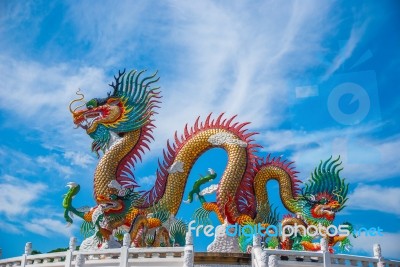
315,78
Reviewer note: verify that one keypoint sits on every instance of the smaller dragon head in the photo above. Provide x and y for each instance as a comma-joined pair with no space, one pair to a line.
323,195
119,198
127,108
112,203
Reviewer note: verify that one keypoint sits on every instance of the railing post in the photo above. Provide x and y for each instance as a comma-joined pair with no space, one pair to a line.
71,249
264,257
27,252
79,260
188,258
273,261
378,255
326,256
256,251
126,243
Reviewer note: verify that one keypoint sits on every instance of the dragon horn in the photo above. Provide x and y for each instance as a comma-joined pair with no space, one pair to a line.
76,100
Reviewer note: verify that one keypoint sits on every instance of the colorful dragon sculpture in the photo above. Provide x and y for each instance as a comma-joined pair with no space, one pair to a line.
121,127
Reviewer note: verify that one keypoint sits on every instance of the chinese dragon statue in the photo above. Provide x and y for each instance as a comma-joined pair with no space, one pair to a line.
121,128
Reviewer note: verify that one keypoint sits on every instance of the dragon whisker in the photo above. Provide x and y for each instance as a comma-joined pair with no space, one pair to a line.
82,97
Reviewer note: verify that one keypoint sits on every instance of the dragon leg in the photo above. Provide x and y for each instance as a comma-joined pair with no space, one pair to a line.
212,206
67,204
139,225
161,236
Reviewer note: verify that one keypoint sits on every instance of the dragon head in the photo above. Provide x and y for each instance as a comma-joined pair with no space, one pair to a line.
323,195
127,108
119,200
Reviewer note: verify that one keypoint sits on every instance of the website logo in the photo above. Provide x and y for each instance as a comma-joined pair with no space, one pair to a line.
285,231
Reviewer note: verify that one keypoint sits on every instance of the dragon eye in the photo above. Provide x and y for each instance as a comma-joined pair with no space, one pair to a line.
113,101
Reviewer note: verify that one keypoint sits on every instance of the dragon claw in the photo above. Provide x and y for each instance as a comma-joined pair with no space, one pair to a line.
211,171
71,185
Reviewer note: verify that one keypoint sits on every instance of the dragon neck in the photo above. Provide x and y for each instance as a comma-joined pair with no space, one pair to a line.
106,170
286,189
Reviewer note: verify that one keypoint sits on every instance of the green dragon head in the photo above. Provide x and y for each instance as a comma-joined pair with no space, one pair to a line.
127,108
323,195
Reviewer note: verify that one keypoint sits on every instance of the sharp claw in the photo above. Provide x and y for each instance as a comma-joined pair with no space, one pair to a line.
71,185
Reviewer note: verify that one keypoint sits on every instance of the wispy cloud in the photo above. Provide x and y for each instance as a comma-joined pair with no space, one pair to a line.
146,181
347,50
113,32
79,158
43,94
10,228
237,66
16,162
363,157
49,227
224,64
50,163
17,196
375,197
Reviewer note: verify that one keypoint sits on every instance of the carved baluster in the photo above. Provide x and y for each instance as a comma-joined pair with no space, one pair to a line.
188,260
378,255
28,248
353,262
72,243
273,261
79,260
126,242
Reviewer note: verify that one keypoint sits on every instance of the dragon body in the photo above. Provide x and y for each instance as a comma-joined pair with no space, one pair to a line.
121,126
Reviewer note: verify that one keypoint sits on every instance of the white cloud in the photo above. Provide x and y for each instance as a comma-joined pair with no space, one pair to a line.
146,180
237,66
375,197
218,62
17,196
49,227
79,158
16,162
355,36
9,228
41,95
389,244
114,30
364,158
50,163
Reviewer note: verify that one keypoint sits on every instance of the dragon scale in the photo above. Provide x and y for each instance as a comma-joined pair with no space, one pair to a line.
108,164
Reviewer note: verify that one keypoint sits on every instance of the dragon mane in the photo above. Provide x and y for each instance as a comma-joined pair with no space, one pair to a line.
324,185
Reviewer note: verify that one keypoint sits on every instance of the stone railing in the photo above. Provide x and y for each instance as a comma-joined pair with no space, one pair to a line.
124,256
184,256
288,258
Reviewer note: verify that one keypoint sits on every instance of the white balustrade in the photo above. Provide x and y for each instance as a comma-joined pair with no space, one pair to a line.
184,256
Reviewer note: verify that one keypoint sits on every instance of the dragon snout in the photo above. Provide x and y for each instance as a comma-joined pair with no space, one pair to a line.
334,205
